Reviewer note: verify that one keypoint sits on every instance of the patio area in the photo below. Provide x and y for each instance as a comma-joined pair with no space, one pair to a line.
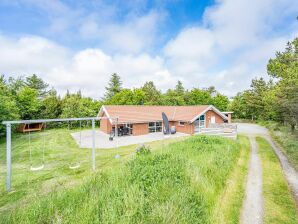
102,139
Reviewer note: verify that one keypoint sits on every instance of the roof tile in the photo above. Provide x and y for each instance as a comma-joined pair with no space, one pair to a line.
143,113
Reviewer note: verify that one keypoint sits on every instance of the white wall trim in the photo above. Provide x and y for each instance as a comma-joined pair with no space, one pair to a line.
104,110
211,107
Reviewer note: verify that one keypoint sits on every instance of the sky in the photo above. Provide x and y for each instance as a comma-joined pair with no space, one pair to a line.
77,45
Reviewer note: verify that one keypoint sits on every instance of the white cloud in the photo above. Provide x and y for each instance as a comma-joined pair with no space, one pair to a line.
191,51
133,35
88,70
138,69
30,54
231,47
238,24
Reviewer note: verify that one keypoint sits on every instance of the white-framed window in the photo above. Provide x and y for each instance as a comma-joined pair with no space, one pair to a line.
181,123
155,127
202,121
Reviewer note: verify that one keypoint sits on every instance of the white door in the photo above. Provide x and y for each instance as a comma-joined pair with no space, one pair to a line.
212,119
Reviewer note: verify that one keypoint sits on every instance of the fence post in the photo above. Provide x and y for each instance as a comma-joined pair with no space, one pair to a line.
116,128
8,157
93,144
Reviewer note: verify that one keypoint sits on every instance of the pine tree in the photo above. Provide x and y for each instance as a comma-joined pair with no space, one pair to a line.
152,94
114,87
38,84
212,91
284,68
179,88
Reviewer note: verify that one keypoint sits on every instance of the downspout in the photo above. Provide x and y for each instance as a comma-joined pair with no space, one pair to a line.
174,114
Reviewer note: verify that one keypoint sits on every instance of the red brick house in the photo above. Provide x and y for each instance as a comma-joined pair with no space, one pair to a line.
142,119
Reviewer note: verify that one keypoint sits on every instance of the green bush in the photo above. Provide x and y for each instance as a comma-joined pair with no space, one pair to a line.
143,150
208,139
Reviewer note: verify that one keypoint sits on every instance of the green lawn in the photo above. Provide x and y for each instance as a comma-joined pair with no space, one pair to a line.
279,205
192,180
61,151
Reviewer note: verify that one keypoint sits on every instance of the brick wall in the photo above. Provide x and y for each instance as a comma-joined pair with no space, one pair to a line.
186,128
209,114
140,129
105,125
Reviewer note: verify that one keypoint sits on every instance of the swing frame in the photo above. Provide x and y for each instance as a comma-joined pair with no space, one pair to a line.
9,145
78,164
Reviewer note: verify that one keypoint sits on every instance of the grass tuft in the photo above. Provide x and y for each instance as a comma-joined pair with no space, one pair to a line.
286,139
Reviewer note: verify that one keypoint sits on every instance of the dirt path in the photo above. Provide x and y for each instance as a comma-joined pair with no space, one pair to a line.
289,171
252,210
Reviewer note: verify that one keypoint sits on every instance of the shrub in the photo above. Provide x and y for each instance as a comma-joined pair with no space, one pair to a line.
208,139
143,150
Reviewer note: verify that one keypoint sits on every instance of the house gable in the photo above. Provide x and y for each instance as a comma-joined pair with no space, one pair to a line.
210,108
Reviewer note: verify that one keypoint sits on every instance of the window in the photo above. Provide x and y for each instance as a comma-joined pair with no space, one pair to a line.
123,129
202,121
181,123
155,127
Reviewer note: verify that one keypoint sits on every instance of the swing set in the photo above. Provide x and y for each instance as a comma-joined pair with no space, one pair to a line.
44,121
32,168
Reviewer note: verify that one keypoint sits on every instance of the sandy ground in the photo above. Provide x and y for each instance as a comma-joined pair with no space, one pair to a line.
252,210
84,139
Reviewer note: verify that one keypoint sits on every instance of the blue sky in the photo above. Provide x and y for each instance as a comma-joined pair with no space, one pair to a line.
78,44
30,17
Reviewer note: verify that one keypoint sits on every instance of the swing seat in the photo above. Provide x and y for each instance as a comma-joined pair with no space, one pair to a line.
37,168
74,166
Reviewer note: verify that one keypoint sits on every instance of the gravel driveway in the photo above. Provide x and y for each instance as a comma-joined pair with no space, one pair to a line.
251,129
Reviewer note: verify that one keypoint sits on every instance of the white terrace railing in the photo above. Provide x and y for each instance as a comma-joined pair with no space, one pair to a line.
223,125
225,130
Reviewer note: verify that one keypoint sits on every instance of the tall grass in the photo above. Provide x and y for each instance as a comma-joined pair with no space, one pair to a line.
286,139
182,183
227,208
279,205
61,151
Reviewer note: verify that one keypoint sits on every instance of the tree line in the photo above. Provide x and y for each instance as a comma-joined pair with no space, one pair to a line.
149,94
276,99
30,97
